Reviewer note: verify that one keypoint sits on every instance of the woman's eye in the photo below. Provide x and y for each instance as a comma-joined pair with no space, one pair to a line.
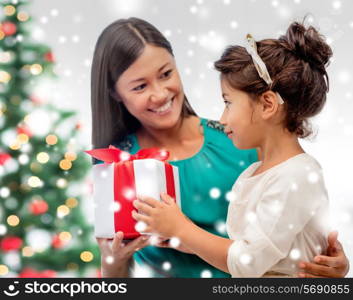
166,74
140,87
226,103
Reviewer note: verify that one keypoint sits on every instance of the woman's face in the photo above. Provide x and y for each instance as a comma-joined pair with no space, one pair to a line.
239,117
151,89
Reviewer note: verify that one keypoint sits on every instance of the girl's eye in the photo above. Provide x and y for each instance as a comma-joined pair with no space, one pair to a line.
139,88
166,74
226,103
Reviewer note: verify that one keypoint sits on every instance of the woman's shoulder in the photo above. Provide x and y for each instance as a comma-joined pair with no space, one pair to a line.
215,125
126,143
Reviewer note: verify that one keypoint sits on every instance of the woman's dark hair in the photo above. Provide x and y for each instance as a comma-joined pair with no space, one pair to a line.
118,46
297,64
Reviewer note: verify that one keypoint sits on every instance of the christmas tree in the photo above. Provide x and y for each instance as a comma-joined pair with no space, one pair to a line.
43,230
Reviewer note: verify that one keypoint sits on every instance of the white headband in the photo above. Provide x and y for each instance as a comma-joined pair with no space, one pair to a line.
259,63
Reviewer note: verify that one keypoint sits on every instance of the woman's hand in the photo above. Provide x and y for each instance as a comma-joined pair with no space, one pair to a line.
161,217
116,256
335,264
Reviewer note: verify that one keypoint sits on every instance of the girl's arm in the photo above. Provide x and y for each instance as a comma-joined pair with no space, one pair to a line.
211,248
166,219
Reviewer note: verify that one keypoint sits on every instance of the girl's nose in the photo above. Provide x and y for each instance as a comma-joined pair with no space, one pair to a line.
223,119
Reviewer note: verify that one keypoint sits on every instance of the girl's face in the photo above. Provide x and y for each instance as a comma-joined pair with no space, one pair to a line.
239,117
151,89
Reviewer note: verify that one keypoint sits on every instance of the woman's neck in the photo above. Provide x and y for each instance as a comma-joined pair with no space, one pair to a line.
186,129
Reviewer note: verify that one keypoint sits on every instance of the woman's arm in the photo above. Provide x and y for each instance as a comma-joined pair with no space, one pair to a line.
335,264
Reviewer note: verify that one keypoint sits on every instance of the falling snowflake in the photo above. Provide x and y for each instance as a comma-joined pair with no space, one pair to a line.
231,196
206,274
104,174
129,194
115,206
234,24
294,187
245,259
221,227
337,4
174,242
154,240
251,217
109,259
140,226
313,177
215,193
166,266
295,254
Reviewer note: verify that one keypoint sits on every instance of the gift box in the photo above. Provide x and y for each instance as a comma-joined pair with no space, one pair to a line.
122,177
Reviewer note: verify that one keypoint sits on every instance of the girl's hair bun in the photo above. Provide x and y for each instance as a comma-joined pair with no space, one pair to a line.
308,45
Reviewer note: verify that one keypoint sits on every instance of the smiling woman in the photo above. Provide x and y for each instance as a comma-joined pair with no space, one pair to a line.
129,65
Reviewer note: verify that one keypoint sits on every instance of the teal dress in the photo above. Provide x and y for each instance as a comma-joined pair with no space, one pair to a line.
205,179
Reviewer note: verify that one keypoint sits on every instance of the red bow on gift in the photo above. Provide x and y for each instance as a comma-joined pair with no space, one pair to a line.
114,155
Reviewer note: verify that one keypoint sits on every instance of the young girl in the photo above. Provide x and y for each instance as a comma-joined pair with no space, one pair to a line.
279,207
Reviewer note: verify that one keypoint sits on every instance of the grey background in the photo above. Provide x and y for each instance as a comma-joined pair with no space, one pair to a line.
199,30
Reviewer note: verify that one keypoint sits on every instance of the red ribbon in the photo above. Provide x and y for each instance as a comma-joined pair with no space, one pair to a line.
124,182
115,155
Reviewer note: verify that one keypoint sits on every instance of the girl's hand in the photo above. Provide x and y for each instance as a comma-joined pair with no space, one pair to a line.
335,264
116,256
161,217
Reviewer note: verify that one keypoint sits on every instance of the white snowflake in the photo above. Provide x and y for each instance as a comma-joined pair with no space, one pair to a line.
109,259
336,4
245,259
154,240
295,254
166,266
231,196
344,76
313,177
294,187
115,206
251,217
206,274
129,193
174,242
193,9
140,226
221,227
234,24
215,193
54,12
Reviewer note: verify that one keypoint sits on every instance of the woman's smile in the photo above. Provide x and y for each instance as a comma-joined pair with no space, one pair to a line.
164,109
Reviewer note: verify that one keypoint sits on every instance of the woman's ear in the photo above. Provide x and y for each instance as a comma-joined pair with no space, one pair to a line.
269,104
114,95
